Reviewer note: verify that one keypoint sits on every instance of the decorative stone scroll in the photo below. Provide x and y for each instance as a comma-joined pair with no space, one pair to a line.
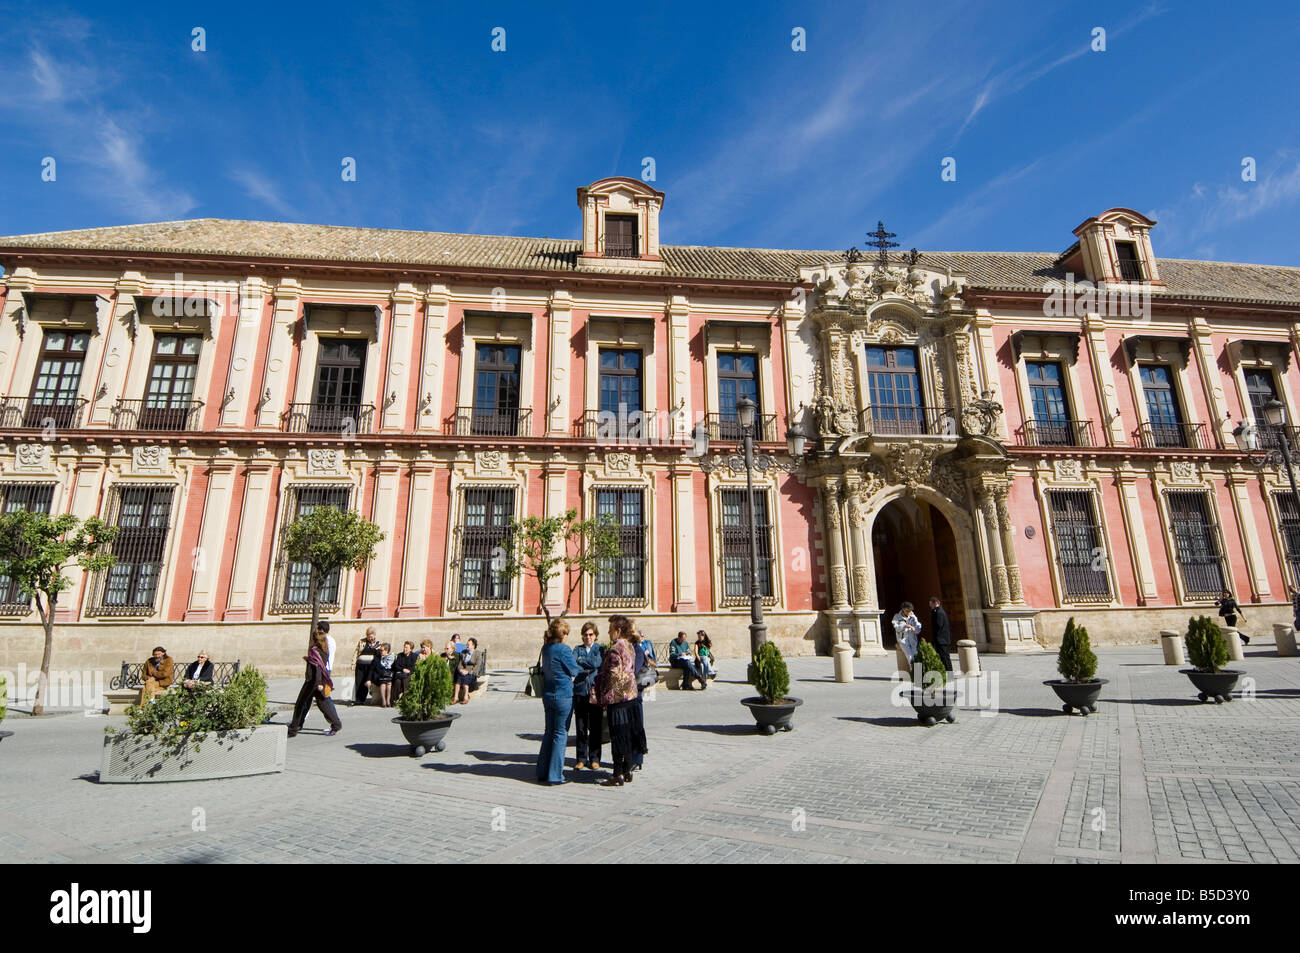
150,458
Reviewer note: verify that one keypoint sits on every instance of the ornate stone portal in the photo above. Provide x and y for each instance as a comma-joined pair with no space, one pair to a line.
941,453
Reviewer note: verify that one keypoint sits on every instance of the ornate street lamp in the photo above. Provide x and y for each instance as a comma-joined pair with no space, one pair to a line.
796,440
1247,437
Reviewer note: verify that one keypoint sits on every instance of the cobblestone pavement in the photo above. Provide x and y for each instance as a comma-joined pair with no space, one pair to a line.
1154,775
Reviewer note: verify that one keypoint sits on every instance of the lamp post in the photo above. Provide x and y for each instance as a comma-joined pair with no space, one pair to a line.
748,462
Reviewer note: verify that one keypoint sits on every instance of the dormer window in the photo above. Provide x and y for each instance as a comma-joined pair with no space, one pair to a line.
620,221
1130,265
620,236
1114,246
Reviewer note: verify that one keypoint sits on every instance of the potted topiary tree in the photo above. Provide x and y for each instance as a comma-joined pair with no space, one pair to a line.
1077,663
1208,652
772,708
934,699
423,721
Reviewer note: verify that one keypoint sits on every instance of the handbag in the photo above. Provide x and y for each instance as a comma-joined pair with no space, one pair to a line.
647,676
536,679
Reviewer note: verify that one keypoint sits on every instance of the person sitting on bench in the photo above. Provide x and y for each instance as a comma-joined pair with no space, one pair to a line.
157,675
680,656
200,670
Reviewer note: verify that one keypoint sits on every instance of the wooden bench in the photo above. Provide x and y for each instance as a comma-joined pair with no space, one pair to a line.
124,688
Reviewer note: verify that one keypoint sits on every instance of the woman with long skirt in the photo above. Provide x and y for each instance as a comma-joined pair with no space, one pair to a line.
558,668
616,690
317,686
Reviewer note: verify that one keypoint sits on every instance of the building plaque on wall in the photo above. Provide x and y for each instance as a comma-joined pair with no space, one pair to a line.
151,458
324,462
1068,470
34,458
491,461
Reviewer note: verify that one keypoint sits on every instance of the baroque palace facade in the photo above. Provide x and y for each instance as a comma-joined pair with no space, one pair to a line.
1030,436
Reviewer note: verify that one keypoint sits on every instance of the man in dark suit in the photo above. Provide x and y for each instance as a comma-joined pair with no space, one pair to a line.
941,632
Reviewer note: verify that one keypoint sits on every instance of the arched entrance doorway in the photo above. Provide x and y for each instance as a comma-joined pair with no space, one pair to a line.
915,555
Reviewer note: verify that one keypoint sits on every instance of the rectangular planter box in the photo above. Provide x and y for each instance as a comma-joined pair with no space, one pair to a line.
130,759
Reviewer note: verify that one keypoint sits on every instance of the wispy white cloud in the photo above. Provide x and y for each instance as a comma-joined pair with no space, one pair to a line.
1015,78
1207,211
975,207
59,101
263,189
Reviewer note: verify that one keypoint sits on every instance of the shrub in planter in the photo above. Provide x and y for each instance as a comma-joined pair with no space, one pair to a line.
168,739
773,710
423,721
1206,647
1077,663
769,675
933,698
189,714
1208,652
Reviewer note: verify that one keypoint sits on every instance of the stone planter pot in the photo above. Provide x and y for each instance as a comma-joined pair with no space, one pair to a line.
426,736
1213,685
772,718
131,759
1077,695
933,705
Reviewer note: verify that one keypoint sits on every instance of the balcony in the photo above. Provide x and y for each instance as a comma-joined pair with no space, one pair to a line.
607,427
1130,269
1056,433
26,413
894,420
1165,436
341,419
727,427
1269,437
620,250
146,415
491,422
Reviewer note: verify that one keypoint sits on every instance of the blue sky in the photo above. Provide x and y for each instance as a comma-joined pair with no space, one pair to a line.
754,143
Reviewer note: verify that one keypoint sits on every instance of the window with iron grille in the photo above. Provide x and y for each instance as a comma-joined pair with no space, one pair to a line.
484,536
1196,541
142,515
297,581
623,579
895,388
737,378
1289,515
496,390
736,550
30,498
1079,549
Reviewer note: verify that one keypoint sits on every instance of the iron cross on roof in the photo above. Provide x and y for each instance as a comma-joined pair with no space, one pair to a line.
880,240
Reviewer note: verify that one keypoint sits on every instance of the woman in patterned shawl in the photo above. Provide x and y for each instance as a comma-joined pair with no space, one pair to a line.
615,688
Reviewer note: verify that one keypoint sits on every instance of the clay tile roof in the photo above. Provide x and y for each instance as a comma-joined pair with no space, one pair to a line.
1002,271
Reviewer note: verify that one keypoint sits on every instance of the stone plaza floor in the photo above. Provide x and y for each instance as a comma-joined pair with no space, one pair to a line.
1153,776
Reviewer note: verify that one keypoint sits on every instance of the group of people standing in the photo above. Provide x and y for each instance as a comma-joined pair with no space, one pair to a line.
600,686
907,630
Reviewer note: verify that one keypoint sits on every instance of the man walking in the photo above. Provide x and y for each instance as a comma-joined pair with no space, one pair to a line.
942,632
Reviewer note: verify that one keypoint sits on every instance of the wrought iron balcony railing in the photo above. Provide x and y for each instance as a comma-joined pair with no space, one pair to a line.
1056,433
1269,437
620,250
28,413
909,420
727,427
1130,269
1162,436
492,422
343,419
157,415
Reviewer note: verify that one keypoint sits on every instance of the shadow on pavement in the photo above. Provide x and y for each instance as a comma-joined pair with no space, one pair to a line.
721,729
529,758
885,722
1279,692
1033,712
370,750
517,771
1166,702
